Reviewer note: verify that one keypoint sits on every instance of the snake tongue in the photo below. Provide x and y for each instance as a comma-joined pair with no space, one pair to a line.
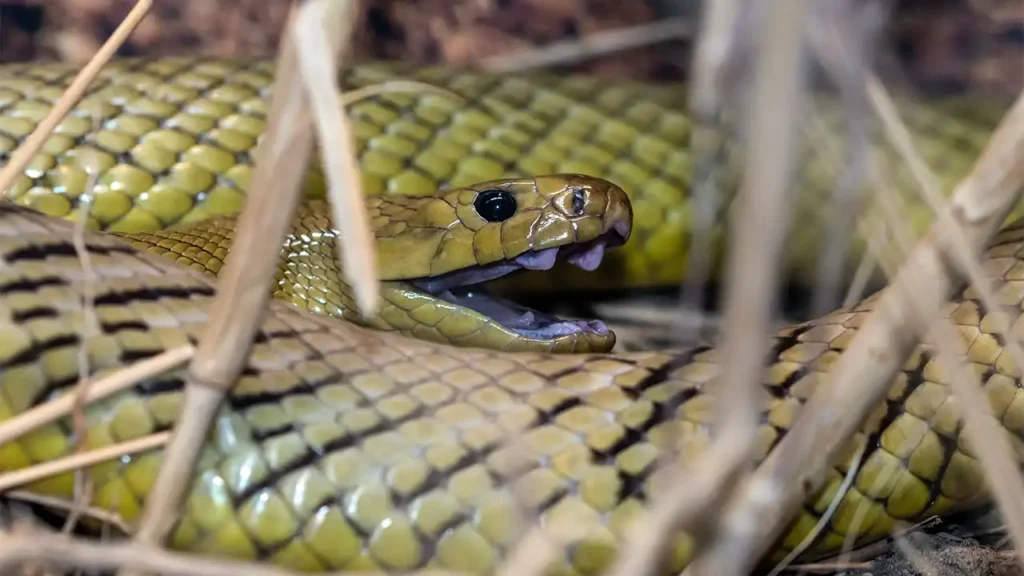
587,256
590,258
539,260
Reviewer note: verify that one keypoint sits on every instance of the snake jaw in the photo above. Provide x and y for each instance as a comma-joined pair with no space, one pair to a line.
466,287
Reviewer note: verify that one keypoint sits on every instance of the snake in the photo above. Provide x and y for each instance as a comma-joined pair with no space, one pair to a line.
386,446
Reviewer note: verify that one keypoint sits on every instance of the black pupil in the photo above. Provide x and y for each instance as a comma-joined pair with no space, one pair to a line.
495,205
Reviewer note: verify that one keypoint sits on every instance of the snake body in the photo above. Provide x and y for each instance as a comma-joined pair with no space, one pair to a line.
347,448
177,134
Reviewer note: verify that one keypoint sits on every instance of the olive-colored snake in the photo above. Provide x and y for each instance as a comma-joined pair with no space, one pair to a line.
348,448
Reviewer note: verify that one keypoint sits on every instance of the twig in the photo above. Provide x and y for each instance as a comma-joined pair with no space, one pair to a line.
65,552
717,38
811,536
987,438
124,378
591,46
714,51
348,206
532,555
859,284
51,467
824,149
989,442
830,567
28,149
859,381
899,135
395,87
861,556
99,514
920,562
243,289
862,509
751,282
994,451
90,327
843,36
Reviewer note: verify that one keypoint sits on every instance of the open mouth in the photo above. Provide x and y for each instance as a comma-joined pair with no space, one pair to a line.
466,287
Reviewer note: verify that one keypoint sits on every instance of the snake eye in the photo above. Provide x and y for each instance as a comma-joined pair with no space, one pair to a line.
495,205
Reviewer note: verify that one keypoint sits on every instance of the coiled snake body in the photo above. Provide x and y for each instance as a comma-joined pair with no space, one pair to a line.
348,448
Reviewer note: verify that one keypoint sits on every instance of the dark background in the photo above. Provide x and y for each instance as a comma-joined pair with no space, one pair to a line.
935,45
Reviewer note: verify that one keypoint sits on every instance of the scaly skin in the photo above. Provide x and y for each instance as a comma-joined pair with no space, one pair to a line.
178,135
347,448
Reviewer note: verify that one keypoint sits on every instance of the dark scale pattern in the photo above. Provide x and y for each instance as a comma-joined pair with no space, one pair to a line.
175,138
345,448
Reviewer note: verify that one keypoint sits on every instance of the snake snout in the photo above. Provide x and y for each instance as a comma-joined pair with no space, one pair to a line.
619,214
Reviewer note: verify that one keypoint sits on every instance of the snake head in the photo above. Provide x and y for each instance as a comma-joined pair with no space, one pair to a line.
435,253
440,251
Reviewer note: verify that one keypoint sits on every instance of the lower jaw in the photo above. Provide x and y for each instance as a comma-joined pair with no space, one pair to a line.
528,329
578,343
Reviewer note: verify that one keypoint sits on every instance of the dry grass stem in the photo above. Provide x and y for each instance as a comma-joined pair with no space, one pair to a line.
841,37
860,512
62,406
863,555
591,46
99,514
830,567
752,277
900,136
70,553
82,460
860,379
823,147
532,556
318,61
90,328
757,237
985,435
24,154
861,278
993,449
395,87
894,221
243,288
808,540
995,453
717,40
543,542
680,507
19,160
920,562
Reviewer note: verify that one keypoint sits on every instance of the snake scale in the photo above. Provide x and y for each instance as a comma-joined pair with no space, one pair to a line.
344,447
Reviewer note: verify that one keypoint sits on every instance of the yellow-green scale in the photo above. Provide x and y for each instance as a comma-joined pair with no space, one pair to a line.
174,139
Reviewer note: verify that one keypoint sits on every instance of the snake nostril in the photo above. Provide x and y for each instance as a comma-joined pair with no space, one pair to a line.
579,200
